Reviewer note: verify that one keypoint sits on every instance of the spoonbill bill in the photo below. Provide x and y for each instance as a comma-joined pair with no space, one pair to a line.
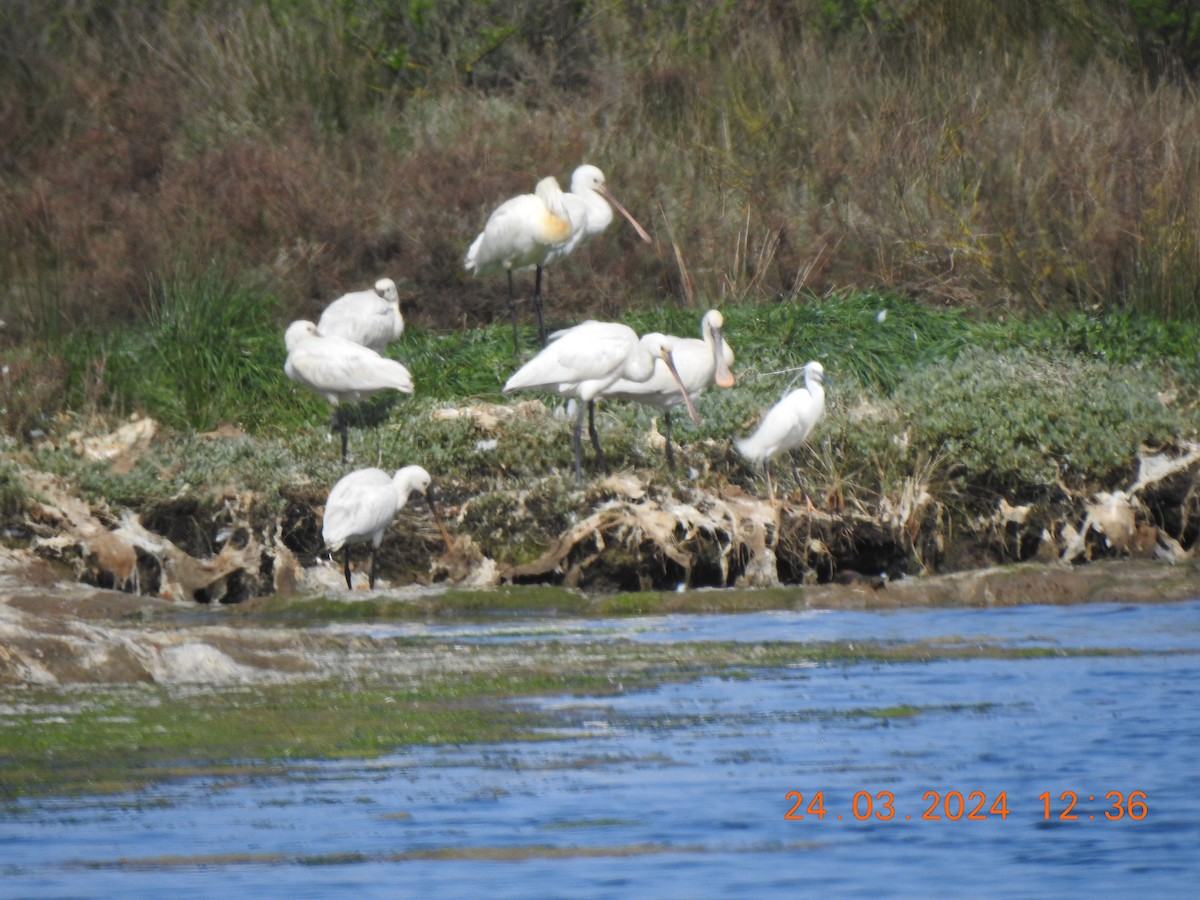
362,505
788,423
339,370
519,234
588,209
583,361
370,318
699,362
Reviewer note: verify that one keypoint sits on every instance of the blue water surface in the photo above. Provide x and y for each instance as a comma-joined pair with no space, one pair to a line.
682,791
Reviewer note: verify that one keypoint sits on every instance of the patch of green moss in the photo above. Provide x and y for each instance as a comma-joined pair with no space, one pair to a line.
499,601
109,739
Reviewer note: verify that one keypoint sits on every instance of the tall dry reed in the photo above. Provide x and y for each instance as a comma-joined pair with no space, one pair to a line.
1016,158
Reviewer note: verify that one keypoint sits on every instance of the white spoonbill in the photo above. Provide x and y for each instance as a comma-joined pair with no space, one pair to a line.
787,423
699,362
518,235
362,505
584,360
370,318
590,207
339,370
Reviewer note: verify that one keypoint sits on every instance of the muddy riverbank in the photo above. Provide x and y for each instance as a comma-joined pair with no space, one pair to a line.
56,632
634,530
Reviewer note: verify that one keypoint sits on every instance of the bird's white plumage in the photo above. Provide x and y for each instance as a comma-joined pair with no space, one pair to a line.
521,231
589,206
532,230
371,318
338,369
790,421
699,362
364,502
584,360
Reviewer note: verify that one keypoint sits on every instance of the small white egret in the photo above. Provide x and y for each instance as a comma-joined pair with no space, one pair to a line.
787,423
584,360
519,234
699,362
370,318
362,505
339,370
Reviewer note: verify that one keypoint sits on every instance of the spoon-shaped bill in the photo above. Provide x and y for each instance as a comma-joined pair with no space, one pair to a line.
626,213
669,359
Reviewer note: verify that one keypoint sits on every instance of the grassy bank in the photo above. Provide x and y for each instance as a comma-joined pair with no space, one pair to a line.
982,221
936,416
1006,158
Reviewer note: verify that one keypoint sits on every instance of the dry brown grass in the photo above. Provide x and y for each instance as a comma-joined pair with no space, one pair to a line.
1038,173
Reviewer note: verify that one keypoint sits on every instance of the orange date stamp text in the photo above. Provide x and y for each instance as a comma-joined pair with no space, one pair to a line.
969,806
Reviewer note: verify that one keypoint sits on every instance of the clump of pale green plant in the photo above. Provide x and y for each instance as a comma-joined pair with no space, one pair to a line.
1019,421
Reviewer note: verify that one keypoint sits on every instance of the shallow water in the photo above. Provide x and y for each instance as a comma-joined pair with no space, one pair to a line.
682,791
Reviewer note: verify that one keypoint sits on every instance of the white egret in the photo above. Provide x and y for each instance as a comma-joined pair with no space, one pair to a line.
787,423
584,360
362,505
699,362
519,234
339,370
370,318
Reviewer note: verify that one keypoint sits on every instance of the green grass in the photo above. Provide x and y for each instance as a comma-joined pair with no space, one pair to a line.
1006,407
211,353
206,352
1022,418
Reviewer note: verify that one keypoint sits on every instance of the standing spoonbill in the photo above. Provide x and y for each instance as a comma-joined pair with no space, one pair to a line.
370,318
699,362
339,370
787,424
588,210
518,235
362,505
584,360
590,207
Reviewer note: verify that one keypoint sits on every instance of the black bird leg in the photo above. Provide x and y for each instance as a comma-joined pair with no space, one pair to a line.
667,429
592,433
537,304
346,566
577,444
512,311
339,424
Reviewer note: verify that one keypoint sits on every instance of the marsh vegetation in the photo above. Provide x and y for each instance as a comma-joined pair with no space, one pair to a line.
982,221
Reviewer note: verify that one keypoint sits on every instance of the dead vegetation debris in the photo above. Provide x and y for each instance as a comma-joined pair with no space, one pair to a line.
631,532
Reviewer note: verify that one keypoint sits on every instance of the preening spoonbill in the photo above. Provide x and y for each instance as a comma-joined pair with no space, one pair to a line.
589,210
518,235
339,370
370,318
787,423
699,362
362,504
584,360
